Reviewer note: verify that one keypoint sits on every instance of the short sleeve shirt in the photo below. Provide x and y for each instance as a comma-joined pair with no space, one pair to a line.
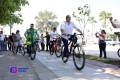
118,25
53,35
31,32
18,37
68,28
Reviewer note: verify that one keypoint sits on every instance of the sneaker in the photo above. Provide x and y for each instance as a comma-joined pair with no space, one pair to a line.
65,59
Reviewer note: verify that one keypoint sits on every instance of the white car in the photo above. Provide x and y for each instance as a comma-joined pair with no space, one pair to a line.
112,42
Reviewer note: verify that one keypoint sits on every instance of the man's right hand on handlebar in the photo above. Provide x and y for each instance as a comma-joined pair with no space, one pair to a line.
64,33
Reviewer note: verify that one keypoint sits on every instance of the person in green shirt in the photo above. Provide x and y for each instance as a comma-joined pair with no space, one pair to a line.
31,35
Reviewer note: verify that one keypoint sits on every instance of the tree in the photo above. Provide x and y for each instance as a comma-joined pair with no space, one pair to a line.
104,16
8,9
45,19
83,16
92,21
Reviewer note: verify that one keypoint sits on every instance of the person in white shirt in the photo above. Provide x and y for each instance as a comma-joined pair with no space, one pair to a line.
53,36
102,42
114,25
42,42
2,36
67,28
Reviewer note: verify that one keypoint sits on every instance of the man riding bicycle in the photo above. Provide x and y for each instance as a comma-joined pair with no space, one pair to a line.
31,35
67,28
114,26
53,36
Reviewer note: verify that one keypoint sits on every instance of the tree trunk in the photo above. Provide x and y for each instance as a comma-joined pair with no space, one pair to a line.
10,29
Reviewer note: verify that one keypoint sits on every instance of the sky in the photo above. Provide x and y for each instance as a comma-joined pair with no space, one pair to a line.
62,8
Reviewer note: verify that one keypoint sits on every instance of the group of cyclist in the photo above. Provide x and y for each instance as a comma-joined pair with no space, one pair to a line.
32,35
66,28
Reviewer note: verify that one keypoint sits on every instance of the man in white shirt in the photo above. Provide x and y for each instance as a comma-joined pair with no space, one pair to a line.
67,28
114,25
2,36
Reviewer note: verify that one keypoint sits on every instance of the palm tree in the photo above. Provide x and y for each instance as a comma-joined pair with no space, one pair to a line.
43,19
104,16
92,21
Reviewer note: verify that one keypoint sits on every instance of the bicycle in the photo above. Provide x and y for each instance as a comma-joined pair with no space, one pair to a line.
118,52
31,51
76,51
55,48
16,49
38,47
118,34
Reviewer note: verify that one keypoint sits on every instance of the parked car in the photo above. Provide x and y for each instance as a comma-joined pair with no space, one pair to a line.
112,42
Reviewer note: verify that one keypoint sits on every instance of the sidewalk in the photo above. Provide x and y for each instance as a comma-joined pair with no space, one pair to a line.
25,69
61,71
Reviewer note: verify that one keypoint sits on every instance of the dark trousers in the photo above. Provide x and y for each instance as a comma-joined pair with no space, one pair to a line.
102,47
47,46
42,46
65,52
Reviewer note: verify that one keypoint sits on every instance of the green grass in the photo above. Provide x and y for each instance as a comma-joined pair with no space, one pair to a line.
107,60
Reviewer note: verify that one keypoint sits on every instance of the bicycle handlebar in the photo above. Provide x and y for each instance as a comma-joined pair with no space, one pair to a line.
72,34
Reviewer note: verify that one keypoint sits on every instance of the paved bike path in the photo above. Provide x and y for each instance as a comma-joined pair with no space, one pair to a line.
61,71
8,60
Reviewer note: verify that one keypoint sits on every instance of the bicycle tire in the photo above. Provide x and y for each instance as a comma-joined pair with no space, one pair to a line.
51,50
39,49
33,54
58,53
80,55
23,53
118,52
14,50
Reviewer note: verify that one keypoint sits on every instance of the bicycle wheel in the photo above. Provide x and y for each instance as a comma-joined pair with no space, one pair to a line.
23,49
118,52
33,55
51,50
15,50
38,49
79,57
58,53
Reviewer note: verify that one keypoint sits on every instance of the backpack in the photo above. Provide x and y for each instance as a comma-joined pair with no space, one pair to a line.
14,38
